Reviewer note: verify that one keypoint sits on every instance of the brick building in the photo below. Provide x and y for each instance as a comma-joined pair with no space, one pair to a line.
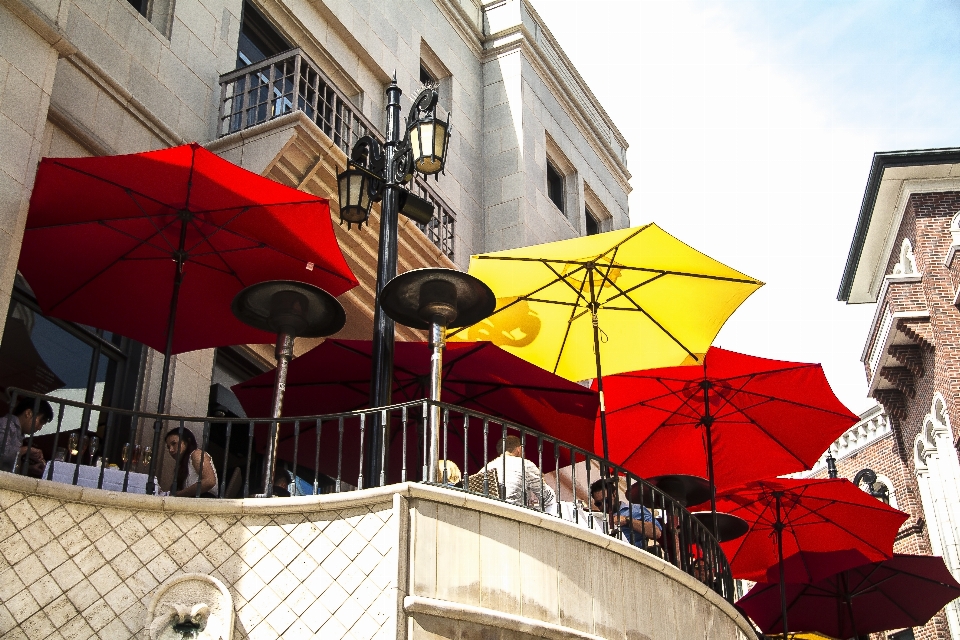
902,258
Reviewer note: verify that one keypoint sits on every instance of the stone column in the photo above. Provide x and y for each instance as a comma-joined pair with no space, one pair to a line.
30,43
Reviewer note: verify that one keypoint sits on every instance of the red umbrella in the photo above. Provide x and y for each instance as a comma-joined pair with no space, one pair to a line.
335,377
755,418
105,237
905,591
792,516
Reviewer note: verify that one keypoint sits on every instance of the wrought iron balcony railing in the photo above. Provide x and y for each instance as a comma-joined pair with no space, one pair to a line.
326,454
291,81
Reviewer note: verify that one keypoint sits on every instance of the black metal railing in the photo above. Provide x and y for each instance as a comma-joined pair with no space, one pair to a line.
326,454
291,81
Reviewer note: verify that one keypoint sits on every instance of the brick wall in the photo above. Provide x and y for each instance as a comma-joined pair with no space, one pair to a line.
934,367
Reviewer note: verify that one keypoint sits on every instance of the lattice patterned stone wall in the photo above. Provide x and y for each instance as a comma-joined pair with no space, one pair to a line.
71,570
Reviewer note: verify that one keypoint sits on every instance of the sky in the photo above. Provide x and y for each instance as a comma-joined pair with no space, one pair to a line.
752,126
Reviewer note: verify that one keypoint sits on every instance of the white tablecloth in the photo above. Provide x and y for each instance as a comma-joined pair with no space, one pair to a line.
90,477
579,517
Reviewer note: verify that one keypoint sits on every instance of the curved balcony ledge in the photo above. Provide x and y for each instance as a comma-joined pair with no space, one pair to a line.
406,560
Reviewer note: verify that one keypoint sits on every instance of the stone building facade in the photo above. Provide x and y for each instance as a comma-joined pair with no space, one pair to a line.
902,259
533,155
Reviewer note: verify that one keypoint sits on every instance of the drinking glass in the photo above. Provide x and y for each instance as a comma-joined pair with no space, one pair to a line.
72,446
147,455
84,447
125,454
135,460
94,447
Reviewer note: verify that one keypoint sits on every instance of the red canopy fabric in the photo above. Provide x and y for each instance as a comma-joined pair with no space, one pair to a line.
334,377
102,235
769,417
825,515
905,591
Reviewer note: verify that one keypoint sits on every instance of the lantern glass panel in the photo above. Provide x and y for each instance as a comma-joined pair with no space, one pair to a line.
428,141
354,196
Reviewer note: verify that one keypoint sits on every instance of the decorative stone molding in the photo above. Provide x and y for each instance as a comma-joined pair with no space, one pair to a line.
938,477
907,266
955,244
873,426
193,600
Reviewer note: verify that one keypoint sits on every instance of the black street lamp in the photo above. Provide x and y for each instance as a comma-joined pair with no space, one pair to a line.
377,173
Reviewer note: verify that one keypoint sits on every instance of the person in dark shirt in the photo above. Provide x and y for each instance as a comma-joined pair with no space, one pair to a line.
21,422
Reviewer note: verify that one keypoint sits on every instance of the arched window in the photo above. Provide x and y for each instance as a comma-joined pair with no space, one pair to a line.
938,478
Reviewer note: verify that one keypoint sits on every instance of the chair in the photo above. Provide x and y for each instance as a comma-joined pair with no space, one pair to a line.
235,485
476,481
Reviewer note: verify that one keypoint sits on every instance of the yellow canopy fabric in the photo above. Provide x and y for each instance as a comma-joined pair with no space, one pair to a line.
659,302
805,636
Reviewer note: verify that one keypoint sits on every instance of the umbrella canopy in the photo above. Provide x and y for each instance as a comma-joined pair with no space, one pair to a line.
818,515
659,302
334,377
805,515
106,239
607,303
764,417
905,591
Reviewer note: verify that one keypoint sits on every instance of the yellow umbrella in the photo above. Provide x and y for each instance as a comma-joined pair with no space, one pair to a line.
631,299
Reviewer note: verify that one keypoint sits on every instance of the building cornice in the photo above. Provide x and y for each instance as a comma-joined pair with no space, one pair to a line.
868,218
519,38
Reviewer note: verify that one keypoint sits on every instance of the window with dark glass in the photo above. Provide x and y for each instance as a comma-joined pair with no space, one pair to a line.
425,75
140,6
906,634
592,224
259,40
554,186
66,360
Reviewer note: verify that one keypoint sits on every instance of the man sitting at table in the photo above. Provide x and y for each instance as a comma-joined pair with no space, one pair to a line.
636,522
21,422
520,474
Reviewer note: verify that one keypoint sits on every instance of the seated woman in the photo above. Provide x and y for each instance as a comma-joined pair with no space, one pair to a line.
192,469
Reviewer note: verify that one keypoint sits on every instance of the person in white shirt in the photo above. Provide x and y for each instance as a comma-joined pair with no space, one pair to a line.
521,480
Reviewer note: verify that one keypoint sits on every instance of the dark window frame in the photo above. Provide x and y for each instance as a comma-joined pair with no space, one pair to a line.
259,39
594,228
555,186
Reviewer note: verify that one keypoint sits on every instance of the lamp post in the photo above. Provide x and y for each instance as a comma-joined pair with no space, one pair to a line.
377,173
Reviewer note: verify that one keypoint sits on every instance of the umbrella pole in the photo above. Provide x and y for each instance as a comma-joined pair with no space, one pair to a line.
849,602
707,422
596,352
437,344
283,353
167,353
778,527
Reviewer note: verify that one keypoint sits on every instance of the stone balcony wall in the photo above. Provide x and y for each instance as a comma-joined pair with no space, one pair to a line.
404,561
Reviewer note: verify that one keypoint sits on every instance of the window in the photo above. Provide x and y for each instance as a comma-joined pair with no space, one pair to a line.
258,38
425,75
906,634
140,6
66,360
592,224
554,185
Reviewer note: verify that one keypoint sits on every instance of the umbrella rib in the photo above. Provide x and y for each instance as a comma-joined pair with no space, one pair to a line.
519,299
563,279
566,333
94,276
583,263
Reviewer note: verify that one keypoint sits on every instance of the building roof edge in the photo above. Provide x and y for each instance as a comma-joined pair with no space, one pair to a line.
882,160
